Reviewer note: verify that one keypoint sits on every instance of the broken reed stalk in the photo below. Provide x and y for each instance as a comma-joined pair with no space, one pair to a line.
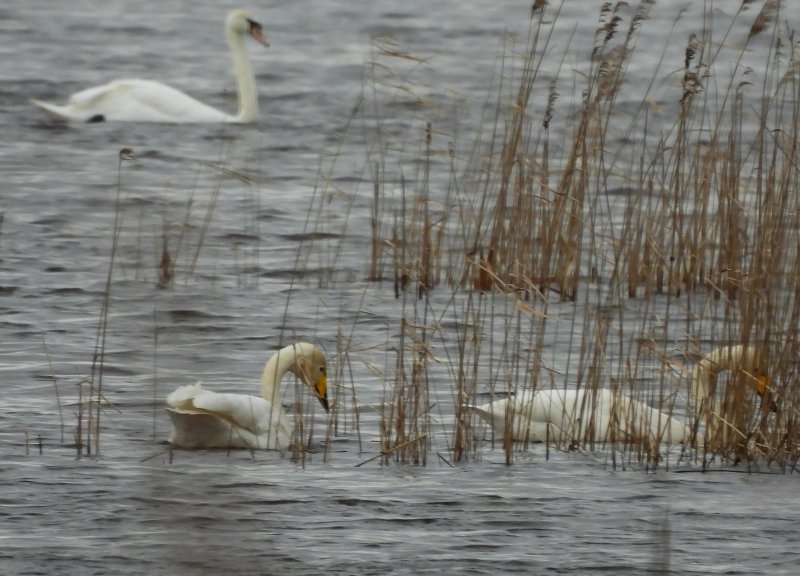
166,264
344,344
98,360
375,228
156,405
343,365
385,453
168,259
55,388
467,374
405,417
212,204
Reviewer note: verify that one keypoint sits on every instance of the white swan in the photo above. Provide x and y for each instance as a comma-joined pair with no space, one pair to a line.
149,101
569,416
743,361
205,419
727,415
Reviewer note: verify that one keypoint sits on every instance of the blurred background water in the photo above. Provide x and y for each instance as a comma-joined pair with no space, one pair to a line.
133,509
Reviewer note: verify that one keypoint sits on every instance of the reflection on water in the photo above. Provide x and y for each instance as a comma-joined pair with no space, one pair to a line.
136,508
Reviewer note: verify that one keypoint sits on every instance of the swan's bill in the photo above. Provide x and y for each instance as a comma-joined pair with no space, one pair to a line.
257,32
321,389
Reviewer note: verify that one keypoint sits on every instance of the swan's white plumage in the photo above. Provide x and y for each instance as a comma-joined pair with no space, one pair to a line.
559,416
725,413
205,419
738,358
567,416
134,100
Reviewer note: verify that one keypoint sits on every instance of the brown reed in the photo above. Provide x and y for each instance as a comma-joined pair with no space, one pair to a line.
573,208
708,217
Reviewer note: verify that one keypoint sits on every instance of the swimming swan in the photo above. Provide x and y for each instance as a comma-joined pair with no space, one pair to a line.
727,414
149,101
739,358
557,416
205,419
567,416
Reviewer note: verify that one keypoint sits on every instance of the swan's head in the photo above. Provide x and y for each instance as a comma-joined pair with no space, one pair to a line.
241,22
311,367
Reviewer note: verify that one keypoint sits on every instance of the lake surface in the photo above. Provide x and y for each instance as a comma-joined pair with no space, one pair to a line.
234,205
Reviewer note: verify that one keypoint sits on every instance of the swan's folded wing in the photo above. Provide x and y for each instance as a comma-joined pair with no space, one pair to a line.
93,97
240,409
142,100
660,425
251,413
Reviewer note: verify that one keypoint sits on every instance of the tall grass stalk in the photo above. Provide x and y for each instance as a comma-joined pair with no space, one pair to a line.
55,388
95,382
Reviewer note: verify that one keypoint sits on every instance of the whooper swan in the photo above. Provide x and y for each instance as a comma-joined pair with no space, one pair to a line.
727,413
205,419
567,416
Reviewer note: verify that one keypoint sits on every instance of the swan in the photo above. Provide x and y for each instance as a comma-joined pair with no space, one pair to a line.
149,101
568,416
557,416
727,413
205,419
739,358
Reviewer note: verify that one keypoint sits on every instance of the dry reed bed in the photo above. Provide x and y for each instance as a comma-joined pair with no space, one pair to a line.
685,209
587,241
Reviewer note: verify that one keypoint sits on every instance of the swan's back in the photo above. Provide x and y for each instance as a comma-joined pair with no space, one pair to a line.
566,416
205,419
134,100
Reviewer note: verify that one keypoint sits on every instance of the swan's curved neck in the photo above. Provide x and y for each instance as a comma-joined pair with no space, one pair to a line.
704,379
276,367
245,81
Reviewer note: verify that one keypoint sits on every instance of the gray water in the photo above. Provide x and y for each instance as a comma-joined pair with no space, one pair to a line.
135,509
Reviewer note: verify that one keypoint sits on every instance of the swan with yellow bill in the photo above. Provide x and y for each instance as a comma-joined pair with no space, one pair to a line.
561,416
205,419
567,416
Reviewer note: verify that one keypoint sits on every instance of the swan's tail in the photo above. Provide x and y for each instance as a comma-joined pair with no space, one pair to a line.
53,110
493,413
481,411
182,397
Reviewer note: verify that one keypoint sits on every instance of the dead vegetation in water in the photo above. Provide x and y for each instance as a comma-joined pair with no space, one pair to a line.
686,208
559,219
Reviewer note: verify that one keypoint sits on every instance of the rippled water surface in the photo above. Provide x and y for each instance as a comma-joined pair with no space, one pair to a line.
135,508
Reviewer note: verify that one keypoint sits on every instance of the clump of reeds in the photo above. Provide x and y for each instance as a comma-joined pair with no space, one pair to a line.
405,418
699,220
